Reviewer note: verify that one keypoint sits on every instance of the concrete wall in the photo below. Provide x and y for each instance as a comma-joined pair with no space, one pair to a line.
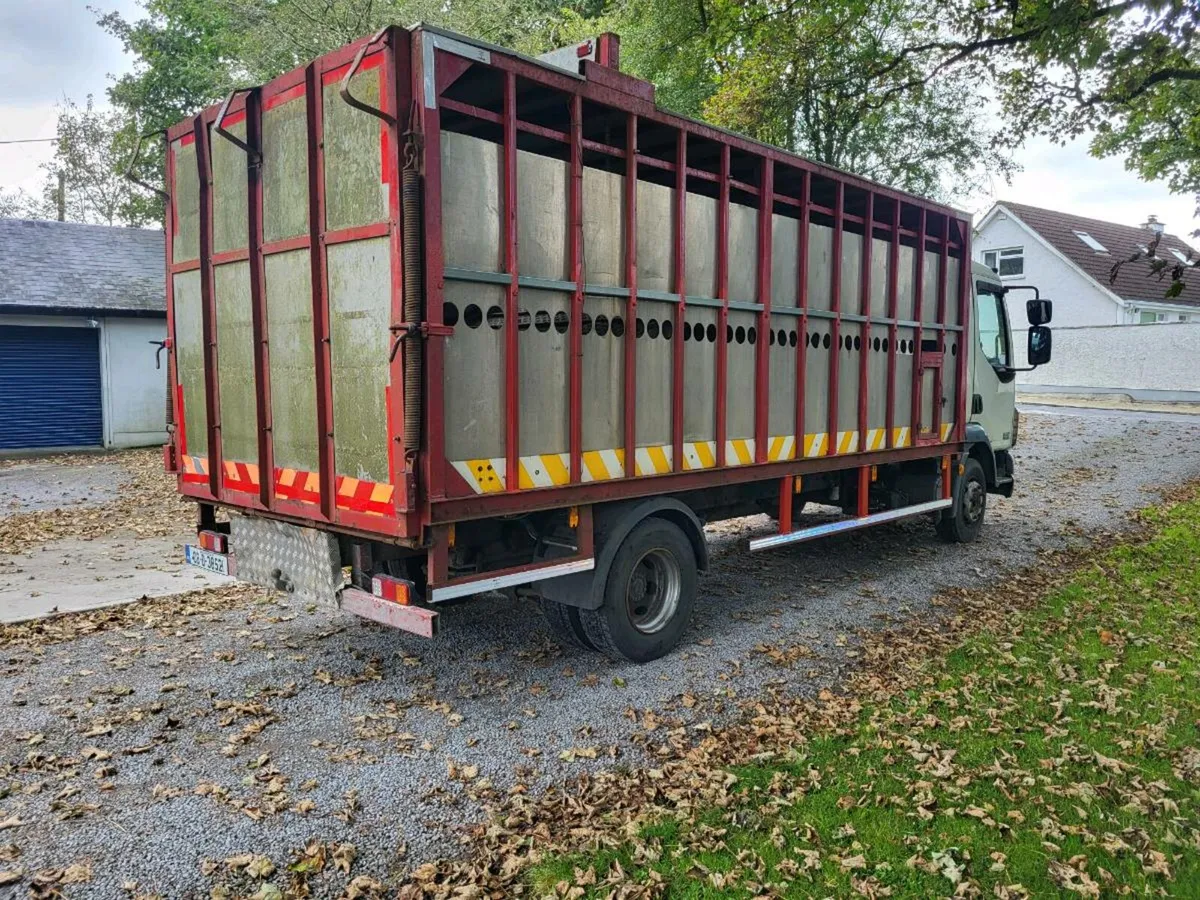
1151,362
1077,299
134,391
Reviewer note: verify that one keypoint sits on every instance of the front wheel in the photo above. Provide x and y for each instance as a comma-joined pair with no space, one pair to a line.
649,594
964,521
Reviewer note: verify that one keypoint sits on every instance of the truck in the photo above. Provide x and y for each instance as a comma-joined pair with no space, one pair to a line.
445,320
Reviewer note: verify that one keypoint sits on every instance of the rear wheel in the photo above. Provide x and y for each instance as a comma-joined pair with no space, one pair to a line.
564,622
964,522
649,594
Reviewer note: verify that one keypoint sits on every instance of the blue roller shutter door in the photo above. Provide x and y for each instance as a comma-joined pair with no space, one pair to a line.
50,388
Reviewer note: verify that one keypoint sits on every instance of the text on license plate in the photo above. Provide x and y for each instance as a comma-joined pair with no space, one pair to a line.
206,559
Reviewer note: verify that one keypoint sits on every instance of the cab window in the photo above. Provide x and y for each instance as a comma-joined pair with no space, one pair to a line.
994,336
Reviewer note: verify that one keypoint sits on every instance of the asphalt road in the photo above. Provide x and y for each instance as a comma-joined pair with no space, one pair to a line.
257,729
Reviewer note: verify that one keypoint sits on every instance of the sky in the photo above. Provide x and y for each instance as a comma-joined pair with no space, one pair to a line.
51,49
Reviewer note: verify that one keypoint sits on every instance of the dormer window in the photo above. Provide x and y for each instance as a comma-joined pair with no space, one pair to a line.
1181,256
1091,242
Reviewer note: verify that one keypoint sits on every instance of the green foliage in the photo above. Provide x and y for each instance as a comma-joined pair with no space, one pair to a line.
1054,755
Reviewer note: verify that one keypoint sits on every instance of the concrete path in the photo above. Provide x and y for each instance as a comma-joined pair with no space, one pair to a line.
71,575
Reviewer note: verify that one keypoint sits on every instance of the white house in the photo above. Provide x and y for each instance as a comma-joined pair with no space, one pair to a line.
82,315
1070,259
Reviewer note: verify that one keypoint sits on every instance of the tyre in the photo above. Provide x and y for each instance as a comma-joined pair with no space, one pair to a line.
649,594
564,623
965,520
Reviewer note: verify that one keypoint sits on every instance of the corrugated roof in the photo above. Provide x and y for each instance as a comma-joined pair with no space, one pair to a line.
1134,281
65,265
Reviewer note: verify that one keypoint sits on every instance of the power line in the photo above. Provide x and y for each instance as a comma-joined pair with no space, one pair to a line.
30,141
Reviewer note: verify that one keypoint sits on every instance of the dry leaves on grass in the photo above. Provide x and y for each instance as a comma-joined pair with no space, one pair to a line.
147,504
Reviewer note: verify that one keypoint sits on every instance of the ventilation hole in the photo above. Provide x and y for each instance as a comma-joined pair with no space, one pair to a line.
639,329
875,344
752,335
885,345
826,340
792,339
739,334
541,321
687,331
712,334
585,323
473,316
495,318
771,337
954,349
857,343
814,340
667,329
449,314
617,326
781,339
561,322
729,334
601,325
652,329
522,320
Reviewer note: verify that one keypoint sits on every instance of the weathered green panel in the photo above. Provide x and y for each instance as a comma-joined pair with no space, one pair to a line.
235,362
359,315
285,170
230,201
288,286
189,360
355,193
186,200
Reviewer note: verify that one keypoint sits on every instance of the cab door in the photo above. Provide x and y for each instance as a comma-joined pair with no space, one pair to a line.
993,380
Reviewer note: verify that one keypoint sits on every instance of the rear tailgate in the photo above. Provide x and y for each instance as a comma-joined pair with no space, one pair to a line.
285,277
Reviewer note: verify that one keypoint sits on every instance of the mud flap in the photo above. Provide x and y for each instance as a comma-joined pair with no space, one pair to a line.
302,562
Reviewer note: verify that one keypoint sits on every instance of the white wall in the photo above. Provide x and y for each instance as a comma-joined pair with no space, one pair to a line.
1077,299
1146,361
134,391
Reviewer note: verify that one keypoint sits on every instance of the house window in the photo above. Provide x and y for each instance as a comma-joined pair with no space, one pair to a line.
1008,263
1091,242
1181,256
1146,318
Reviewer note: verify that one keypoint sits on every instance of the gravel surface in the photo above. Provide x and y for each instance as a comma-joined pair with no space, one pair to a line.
29,486
256,730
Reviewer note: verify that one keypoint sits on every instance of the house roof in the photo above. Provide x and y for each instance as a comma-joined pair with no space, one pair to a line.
66,266
1134,281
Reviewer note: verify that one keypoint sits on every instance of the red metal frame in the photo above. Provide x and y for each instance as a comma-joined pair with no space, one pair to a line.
436,496
893,311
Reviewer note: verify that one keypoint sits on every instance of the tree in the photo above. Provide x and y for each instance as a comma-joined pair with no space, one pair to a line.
91,154
20,204
816,77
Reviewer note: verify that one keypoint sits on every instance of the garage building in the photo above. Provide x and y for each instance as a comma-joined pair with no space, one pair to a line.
82,315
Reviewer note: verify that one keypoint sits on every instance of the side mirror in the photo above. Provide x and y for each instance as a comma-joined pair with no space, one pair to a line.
1039,312
1038,350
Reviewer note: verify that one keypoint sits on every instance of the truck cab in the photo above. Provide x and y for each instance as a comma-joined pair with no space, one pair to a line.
993,423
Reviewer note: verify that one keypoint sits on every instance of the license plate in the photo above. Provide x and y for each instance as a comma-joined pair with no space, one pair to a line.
206,559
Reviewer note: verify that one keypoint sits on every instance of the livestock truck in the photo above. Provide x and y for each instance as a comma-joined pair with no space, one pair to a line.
444,320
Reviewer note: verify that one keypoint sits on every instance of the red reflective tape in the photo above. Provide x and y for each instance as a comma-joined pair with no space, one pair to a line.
374,61
186,139
293,93
234,118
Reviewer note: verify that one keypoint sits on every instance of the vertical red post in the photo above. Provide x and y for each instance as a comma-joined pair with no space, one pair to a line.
631,176
722,361
943,278
762,357
864,355
208,300
893,312
258,306
835,325
321,356
918,303
575,211
864,490
512,357
802,302
966,284
398,103
173,436
433,465
681,306
786,486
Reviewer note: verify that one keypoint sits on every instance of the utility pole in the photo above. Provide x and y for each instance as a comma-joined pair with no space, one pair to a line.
62,196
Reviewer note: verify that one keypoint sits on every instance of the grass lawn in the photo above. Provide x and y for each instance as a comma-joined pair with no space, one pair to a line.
1054,753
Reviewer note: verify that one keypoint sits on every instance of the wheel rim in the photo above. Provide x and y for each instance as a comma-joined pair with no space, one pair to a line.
974,498
652,595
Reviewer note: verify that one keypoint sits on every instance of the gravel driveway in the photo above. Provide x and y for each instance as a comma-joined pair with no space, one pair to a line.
183,752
